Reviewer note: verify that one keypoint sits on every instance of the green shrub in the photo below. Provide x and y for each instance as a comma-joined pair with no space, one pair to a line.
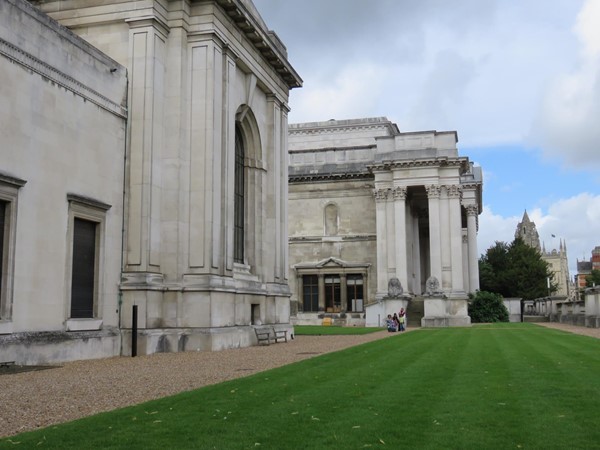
486,307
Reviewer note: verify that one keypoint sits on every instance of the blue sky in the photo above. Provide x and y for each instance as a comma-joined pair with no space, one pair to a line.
520,83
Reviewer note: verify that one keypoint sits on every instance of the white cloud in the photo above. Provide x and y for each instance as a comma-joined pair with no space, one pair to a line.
352,92
566,126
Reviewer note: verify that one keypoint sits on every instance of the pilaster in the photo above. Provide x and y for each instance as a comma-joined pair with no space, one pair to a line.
147,53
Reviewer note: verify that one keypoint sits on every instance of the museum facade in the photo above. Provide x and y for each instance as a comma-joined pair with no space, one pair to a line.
143,175
369,206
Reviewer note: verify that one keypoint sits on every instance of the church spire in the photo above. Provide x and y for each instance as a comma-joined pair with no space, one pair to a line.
526,230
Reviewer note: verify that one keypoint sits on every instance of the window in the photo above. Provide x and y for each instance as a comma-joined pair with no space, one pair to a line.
3,229
310,294
239,198
333,297
354,291
87,219
83,275
9,187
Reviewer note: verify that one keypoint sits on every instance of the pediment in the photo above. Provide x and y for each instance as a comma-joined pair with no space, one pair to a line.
330,262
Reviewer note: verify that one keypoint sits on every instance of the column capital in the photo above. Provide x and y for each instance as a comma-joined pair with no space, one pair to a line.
399,192
472,209
381,194
433,190
453,190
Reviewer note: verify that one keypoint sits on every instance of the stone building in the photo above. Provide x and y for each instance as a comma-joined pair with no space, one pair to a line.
143,163
557,259
370,205
584,268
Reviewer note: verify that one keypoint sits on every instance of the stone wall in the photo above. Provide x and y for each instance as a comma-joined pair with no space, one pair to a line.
62,135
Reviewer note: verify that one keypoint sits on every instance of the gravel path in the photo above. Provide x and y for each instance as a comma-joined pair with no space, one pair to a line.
31,400
37,399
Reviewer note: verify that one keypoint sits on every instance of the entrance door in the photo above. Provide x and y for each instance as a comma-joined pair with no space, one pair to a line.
333,295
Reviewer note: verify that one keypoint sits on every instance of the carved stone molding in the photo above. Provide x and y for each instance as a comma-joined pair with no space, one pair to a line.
399,192
381,194
472,210
453,190
60,78
433,190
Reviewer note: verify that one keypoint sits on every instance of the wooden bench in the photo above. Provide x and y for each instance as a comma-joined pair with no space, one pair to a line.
279,334
263,335
266,334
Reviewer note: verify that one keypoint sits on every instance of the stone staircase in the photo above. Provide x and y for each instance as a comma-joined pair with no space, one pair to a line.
415,312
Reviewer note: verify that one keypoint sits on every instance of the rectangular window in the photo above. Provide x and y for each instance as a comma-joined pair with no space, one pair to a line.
333,294
83,276
3,233
310,294
87,222
355,293
9,189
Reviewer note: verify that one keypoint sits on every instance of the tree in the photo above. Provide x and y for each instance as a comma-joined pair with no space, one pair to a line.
593,278
515,270
487,307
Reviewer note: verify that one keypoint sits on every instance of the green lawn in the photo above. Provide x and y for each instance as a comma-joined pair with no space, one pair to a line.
493,386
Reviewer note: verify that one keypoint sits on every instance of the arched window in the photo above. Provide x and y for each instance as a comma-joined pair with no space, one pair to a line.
239,191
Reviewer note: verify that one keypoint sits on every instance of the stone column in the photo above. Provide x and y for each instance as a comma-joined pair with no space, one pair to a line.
399,193
435,244
472,211
300,292
416,242
343,293
381,196
321,292
455,226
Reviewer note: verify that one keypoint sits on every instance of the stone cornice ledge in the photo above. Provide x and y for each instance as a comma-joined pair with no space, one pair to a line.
41,68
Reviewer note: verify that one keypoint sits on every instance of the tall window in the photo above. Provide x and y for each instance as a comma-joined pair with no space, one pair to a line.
333,295
83,274
239,190
87,222
9,188
3,232
355,293
310,294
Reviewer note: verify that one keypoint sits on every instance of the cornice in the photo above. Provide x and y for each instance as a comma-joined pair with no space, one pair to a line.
331,129
261,40
412,163
324,177
332,149
60,78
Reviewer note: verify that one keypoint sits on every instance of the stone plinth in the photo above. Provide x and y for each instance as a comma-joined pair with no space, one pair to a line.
376,313
443,312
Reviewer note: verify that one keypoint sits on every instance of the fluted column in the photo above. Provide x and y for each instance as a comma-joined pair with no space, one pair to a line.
399,193
472,211
456,254
381,196
435,242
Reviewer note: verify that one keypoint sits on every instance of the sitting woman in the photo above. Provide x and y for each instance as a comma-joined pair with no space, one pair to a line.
391,324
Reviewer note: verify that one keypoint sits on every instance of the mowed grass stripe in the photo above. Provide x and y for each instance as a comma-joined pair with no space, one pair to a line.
504,386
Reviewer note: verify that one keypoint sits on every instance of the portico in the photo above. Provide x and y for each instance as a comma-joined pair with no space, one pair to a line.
425,202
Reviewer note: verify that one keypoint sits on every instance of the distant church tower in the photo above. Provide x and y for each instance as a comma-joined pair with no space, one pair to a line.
526,230
556,259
